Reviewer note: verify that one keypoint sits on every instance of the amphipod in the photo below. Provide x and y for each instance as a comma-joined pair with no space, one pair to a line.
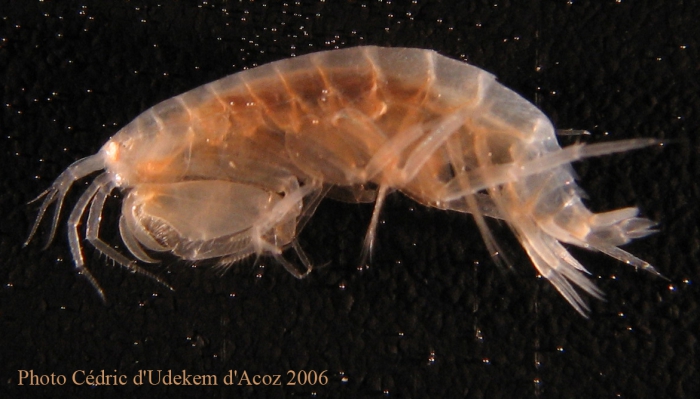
236,167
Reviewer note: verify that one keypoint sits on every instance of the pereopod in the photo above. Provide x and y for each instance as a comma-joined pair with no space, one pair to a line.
236,167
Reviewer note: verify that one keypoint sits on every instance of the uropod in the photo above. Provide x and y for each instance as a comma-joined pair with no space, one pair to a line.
237,167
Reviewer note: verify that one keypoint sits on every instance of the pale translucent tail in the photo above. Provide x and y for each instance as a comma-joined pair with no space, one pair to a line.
557,215
607,231
541,202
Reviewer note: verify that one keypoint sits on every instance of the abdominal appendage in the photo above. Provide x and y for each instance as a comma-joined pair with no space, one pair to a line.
541,202
559,216
237,167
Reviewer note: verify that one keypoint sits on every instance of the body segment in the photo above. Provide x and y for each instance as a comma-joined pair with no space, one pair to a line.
236,167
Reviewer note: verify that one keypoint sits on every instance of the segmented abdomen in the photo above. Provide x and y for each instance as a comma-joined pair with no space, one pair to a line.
369,120
325,116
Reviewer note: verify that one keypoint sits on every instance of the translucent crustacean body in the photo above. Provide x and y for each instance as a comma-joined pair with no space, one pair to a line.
236,167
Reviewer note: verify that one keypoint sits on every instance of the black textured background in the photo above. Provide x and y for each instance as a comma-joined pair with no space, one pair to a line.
433,316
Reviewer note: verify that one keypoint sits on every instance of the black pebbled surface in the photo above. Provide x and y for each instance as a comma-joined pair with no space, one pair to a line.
423,321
